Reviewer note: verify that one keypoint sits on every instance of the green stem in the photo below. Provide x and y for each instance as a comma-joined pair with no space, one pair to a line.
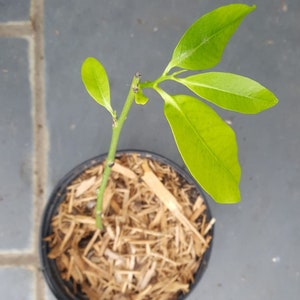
163,77
116,130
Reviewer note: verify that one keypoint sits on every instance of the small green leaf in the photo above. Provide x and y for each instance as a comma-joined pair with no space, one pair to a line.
96,82
207,145
140,98
202,45
231,91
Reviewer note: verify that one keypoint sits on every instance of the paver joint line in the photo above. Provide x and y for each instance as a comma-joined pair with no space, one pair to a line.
33,30
39,130
16,29
17,259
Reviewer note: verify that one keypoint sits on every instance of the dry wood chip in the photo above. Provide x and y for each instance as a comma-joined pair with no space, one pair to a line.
67,236
70,206
198,203
197,213
119,259
81,219
78,260
115,206
210,225
146,292
149,274
70,268
84,186
102,245
124,171
82,200
91,242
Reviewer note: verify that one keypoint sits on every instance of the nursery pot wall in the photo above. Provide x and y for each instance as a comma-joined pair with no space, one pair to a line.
63,290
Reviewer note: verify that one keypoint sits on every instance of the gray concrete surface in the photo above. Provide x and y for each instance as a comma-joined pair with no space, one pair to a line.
48,124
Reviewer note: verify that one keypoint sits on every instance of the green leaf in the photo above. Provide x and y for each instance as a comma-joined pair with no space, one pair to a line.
231,91
202,45
96,82
207,145
140,98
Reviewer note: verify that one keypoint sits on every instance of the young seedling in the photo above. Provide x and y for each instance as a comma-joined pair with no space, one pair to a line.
206,143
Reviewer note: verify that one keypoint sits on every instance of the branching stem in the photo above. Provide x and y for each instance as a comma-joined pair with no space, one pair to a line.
163,77
116,130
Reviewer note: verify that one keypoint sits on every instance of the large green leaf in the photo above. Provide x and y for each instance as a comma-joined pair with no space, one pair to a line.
231,91
207,145
202,45
96,82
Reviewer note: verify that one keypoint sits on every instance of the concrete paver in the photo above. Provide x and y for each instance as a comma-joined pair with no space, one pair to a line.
255,248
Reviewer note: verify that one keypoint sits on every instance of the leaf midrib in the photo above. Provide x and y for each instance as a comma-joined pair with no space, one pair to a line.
209,87
99,86
203,141
195,49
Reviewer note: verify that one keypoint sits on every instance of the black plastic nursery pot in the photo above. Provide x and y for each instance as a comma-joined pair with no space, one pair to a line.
63,290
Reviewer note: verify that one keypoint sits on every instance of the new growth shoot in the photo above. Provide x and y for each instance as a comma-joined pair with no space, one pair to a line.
206,143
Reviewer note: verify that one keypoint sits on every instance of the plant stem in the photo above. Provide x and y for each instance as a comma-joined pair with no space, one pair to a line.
116,130
163,77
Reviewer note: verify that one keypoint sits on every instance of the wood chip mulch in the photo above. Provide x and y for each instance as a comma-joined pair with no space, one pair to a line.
156,232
